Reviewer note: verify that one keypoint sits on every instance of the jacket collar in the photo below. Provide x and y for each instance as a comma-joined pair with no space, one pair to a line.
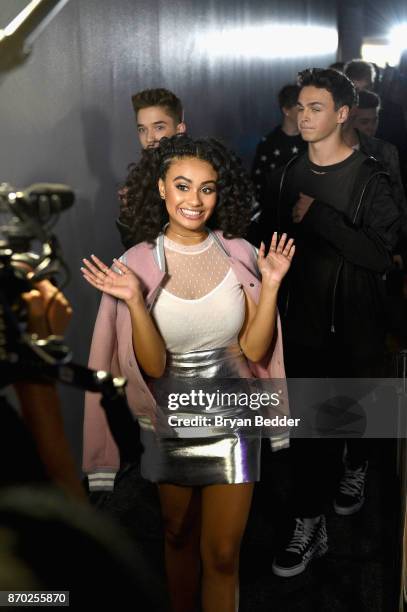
159,272
159,254
247,277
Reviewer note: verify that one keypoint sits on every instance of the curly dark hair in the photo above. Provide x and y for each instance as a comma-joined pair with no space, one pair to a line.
142,213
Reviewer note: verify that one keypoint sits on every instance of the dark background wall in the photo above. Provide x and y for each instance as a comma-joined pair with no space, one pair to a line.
66,115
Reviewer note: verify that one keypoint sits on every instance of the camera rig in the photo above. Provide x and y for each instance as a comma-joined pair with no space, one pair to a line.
24,356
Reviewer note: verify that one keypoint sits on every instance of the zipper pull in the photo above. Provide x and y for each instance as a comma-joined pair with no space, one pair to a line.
332,328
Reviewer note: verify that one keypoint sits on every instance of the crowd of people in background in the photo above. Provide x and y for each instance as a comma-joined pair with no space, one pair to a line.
333,176
341,192
376,126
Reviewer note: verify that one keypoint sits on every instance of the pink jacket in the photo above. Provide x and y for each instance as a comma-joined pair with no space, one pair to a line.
112,348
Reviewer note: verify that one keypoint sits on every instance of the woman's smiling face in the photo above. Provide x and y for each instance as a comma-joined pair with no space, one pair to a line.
190,194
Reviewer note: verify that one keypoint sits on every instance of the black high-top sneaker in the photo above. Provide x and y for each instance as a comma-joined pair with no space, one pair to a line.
351,494
306,543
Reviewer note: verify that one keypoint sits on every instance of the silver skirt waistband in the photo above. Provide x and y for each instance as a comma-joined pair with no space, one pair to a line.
225,362
217,372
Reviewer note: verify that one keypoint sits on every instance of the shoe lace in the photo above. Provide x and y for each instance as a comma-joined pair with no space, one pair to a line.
353,481
301,537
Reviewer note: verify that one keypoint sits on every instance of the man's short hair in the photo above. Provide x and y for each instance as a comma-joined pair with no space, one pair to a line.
359,70
339,86
159,97
368,99
288,96
339,66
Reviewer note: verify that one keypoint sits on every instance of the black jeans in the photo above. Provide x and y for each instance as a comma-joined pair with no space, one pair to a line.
316,464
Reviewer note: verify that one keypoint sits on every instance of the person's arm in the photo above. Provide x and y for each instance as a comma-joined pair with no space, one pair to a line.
148,345
48,313
258,329
41,412
101,456
370,245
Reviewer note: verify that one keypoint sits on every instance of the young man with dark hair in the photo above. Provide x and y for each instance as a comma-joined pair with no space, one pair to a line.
280,145
361,74
365,115
159,113
339,205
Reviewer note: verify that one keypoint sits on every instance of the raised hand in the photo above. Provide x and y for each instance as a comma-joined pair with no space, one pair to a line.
48,310
122,284
275,265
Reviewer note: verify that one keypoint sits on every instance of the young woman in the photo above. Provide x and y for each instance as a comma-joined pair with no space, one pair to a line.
192,302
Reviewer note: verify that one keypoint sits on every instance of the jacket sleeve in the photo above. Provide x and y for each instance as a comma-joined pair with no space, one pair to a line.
100,453
368,244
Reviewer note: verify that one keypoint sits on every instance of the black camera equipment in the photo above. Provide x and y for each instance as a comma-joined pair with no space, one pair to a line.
30,215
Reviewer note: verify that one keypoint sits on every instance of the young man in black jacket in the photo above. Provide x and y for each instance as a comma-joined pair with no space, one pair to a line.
338,205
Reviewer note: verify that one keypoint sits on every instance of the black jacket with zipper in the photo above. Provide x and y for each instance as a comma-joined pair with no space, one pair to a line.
335,284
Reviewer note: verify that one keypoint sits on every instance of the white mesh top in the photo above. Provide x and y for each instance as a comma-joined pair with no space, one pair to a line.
201,306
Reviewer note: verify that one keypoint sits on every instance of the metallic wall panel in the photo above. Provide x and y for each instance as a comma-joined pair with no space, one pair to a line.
66,115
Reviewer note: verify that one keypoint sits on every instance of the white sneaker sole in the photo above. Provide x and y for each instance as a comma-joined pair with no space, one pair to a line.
343,511
285,572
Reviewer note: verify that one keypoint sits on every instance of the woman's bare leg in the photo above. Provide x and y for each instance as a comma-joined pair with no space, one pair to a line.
225,510
180,508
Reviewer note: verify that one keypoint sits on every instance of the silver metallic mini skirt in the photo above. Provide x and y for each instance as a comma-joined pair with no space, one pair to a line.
199,456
